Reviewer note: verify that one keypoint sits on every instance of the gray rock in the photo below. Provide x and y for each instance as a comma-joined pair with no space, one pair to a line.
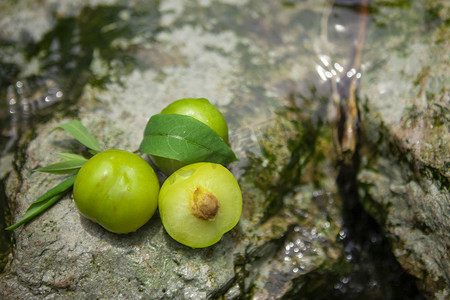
406,140
266,66
291,211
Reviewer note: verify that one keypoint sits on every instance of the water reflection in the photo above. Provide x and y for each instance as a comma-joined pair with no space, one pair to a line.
25,100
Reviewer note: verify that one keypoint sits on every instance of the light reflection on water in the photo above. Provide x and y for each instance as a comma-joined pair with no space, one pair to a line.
24,102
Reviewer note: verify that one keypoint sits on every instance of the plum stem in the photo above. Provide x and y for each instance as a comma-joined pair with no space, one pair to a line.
205,205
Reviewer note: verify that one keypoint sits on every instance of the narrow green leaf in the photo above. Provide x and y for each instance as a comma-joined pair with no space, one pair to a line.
72,156
45,201
78,131
185,139
93,152
64,167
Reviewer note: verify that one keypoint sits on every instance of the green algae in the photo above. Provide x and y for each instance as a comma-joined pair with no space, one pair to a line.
5,236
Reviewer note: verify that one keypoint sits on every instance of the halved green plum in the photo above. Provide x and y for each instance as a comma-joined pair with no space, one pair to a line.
200,109
117,189
199,203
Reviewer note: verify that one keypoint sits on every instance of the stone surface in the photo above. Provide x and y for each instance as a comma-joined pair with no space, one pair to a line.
267,66
291,208
406,154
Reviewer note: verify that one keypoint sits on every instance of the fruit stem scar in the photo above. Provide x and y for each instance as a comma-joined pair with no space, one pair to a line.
205,205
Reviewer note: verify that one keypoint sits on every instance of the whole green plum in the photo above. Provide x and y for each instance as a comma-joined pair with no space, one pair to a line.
200,109
117,189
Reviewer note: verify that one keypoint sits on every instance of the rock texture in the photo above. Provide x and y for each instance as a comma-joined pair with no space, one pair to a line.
127,69
406,154
267,66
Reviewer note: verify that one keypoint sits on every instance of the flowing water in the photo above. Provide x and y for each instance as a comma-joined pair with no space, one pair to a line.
65,54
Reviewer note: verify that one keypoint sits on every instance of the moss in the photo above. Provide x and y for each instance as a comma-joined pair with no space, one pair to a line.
94,29
290,147
5,236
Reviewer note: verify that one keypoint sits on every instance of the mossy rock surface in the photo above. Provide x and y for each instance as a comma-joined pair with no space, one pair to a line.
257,62
404,180
121,78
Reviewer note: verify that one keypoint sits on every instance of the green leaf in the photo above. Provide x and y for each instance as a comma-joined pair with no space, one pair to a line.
72,156
78,131
45,201
185,139
65,167
93,152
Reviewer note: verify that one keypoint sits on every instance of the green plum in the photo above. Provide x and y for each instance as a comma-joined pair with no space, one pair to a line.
117,189
200,109
199,203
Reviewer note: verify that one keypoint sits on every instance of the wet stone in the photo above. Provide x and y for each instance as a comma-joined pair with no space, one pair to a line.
404,175
258,62
134,71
